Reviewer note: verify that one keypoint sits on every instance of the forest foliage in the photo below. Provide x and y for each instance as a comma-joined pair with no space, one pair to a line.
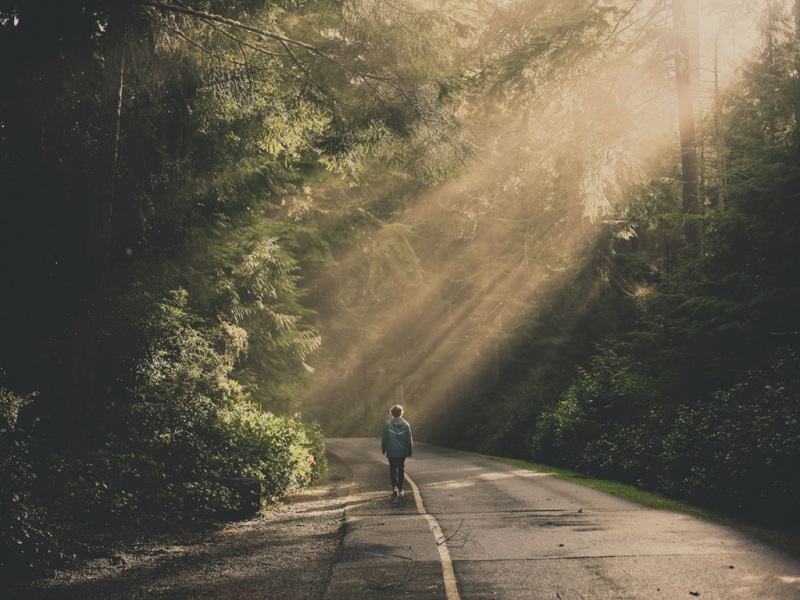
220,214
153,326
689,384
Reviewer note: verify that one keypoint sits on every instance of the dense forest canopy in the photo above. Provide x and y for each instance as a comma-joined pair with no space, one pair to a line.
561,231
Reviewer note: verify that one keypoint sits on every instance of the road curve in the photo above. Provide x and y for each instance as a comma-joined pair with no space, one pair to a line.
511,533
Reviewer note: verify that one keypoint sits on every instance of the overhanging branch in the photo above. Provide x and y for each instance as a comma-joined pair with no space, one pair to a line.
214,18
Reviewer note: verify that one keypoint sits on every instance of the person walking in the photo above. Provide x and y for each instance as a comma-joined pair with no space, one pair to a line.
397,445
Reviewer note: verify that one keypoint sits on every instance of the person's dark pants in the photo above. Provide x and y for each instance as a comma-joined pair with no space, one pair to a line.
397,471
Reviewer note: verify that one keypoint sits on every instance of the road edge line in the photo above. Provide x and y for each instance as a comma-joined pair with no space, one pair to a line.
448,574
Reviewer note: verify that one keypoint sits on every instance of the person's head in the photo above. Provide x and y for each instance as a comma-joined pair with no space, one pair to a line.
397,411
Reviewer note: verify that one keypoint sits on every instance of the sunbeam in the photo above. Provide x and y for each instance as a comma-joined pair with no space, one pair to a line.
435,295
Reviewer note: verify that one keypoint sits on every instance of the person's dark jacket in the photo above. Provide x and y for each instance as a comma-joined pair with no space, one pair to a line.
396,441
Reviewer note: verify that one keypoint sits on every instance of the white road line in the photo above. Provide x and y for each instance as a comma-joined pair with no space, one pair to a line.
449,576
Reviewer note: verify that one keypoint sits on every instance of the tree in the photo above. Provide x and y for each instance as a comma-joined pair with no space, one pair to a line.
685,16
149,125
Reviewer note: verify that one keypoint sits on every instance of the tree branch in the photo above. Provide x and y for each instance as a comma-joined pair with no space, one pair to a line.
264,34
287,43
231,23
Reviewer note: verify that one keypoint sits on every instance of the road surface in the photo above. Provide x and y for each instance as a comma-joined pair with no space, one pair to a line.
472,527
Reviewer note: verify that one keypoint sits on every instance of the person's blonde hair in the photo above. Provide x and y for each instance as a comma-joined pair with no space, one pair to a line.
397,411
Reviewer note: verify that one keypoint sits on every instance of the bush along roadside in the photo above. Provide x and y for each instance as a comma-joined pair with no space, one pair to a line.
238,461
184,445
28,535
735,450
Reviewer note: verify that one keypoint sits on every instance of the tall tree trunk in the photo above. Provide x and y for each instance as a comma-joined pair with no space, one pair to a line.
796,14
685,17
722,168
87,389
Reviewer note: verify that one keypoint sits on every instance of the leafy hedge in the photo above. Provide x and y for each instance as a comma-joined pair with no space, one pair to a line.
27,535
171,447
186,429
183,475
737,449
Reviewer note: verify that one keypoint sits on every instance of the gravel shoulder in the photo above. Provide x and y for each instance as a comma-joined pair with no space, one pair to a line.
286,552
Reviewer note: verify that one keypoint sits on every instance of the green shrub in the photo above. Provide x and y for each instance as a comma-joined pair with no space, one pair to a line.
27,535
736,450
187,429
740,449
278,450
610,393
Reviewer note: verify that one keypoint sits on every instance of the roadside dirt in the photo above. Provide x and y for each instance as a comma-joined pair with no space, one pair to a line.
285,553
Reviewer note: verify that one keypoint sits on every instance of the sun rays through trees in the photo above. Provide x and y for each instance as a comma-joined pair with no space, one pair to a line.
564,231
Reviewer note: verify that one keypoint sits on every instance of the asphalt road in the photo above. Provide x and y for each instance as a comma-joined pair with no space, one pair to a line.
478,528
